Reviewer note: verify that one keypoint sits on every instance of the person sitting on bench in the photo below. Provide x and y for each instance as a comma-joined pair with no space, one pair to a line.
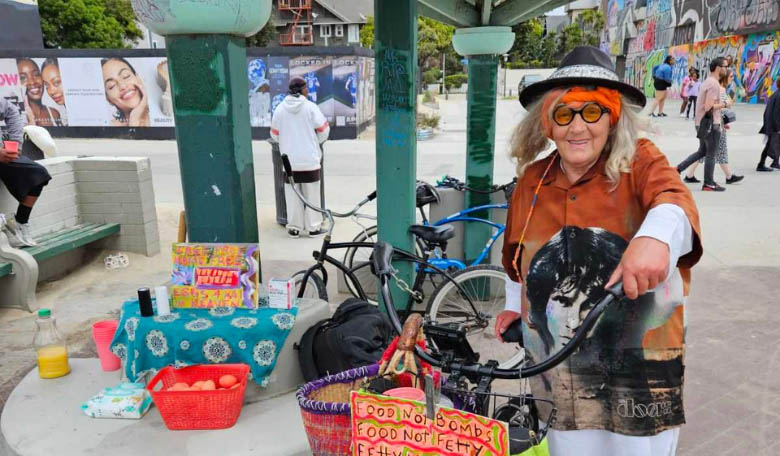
23,178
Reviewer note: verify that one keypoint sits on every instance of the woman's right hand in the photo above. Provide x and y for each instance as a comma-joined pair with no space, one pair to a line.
504,320
139,116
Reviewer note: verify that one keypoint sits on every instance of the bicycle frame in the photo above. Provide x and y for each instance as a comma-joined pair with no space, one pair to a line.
322,257
462,216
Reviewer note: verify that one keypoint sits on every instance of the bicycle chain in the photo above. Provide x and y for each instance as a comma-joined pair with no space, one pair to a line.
416,295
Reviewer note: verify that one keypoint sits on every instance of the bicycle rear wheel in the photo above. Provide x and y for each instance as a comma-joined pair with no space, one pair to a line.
483,286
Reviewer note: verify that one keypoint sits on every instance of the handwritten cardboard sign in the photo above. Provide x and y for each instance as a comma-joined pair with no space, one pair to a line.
215,275
386,426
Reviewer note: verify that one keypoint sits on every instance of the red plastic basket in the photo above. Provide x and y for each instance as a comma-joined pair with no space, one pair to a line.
188,410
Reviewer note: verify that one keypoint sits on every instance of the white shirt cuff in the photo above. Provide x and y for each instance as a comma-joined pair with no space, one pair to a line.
514,295
669,224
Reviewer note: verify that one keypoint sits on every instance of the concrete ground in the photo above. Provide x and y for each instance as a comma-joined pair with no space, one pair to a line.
732,382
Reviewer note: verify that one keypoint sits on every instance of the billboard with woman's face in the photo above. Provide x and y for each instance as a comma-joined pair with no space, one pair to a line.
135,92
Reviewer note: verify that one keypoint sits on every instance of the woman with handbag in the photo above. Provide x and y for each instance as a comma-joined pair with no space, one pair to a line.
722,157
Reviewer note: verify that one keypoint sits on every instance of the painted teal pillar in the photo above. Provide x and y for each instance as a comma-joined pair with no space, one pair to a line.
207,65
211,108
480,145
395,44
482,46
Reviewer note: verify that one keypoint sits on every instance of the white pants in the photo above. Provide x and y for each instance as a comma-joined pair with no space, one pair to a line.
588,442
300,217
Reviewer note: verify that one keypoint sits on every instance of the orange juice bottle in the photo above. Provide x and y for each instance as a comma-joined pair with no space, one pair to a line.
50,347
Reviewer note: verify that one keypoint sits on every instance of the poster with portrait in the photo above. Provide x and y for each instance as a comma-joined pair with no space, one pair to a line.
345,90
84,95
259,92
138,91
279,77
43,94
318,73
10,87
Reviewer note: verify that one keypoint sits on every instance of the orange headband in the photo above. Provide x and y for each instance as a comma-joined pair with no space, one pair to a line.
608,98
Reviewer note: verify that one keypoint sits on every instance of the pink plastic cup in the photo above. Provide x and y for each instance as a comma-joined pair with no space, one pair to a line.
103,334
406,393
11,145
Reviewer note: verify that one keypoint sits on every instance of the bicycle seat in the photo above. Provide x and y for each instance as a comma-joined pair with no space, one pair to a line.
433,234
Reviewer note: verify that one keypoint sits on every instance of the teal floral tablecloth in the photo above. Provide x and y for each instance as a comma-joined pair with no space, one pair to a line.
201,336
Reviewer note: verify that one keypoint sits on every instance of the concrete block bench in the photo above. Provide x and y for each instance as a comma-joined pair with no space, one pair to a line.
97,202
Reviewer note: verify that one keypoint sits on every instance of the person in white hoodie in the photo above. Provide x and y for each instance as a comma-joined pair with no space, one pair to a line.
299,127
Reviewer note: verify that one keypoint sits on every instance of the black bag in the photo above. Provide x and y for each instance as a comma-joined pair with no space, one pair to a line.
705,126
356,335
728,116
31,150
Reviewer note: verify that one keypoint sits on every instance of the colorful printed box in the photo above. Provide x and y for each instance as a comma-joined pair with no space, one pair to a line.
215,275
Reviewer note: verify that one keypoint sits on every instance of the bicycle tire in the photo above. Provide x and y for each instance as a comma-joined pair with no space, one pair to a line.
485,285
365,277
315,283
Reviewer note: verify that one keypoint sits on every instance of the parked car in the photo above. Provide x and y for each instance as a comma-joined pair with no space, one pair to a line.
527,80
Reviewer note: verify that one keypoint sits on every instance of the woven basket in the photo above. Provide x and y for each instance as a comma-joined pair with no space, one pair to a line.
326,413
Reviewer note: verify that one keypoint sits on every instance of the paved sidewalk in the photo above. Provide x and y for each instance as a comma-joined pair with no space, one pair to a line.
733,360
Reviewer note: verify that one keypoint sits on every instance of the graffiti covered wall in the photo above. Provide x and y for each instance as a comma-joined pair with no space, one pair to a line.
694,32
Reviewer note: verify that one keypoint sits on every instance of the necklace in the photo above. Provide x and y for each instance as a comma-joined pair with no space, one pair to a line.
519,249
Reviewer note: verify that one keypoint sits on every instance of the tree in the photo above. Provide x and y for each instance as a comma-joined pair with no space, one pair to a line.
88,23
584,30
533,48
367,33
264,37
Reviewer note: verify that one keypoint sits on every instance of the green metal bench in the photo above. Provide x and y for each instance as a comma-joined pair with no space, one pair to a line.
24,263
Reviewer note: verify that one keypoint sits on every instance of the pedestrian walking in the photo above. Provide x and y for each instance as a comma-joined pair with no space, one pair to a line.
299,127
686,82
662,80
23,178
722,157
693,93
604,206
708,125
771,129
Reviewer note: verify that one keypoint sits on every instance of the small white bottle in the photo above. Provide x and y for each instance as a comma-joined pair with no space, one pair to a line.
163,304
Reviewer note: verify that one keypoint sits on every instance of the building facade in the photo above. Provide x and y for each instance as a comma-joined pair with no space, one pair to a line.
641,33
320,22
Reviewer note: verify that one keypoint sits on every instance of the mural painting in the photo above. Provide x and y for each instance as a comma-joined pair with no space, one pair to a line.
694,32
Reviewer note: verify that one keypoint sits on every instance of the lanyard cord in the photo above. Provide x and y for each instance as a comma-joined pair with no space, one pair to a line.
519,248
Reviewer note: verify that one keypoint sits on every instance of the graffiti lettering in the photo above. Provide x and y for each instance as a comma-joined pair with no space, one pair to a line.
684,34
149,11
742,15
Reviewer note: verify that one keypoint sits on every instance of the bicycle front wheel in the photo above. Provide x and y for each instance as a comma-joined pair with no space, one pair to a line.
315,286
357,259
475,305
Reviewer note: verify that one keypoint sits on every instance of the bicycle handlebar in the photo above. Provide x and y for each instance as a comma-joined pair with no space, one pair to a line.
383,253
453,182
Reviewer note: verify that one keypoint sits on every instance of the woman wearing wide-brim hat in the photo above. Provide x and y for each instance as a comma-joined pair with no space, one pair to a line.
604,206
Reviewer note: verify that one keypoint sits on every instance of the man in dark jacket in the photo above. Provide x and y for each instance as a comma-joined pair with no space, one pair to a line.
771,129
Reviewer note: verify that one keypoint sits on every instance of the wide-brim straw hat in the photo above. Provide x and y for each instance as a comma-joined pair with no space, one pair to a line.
583,66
